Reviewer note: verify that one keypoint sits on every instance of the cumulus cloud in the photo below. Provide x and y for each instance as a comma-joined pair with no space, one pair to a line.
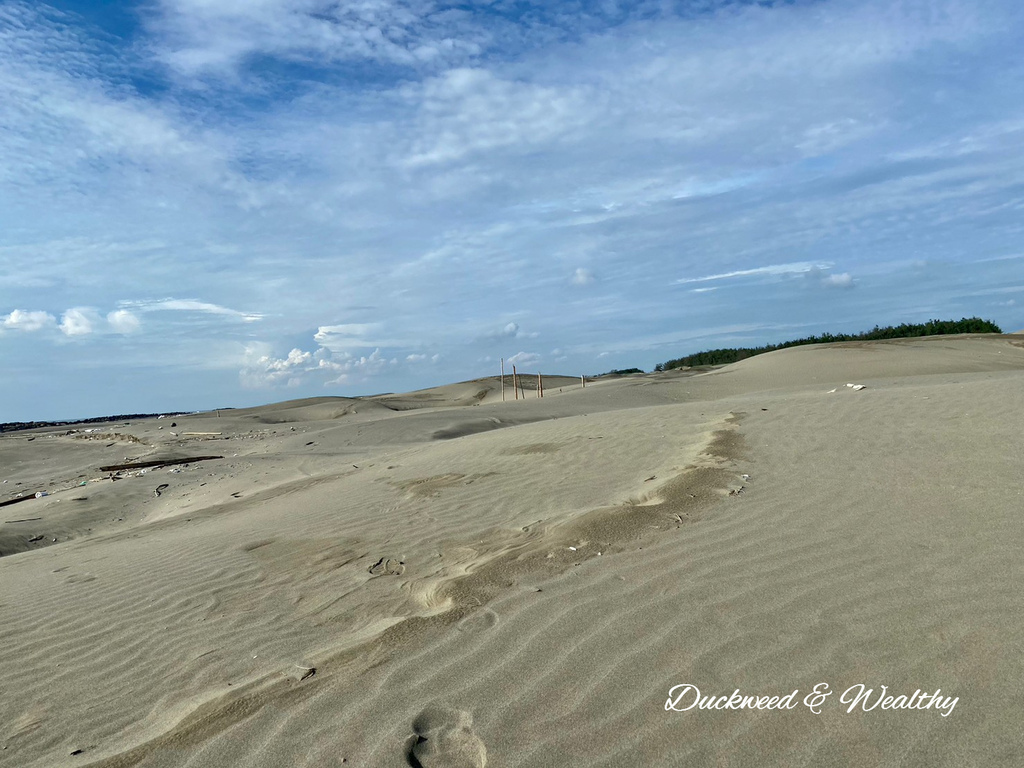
79,321
353,369
22,320
261,369
123,321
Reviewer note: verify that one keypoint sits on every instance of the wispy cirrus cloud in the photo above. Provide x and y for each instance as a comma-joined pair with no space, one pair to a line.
796,268
192,306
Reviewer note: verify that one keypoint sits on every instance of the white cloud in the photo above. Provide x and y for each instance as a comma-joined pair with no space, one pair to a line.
261,369
801,267
123,321
842,280
192,305
23,320
419,358
198,37
524,358
79,321
467,112
819,276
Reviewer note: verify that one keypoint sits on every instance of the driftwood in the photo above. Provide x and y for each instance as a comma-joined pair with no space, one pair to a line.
156,463
15,501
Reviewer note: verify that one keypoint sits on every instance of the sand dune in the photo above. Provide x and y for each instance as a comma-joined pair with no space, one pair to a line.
442,579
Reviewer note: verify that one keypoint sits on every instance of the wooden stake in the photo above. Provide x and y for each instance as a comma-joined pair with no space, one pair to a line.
540,385
583,381
503,379
515,382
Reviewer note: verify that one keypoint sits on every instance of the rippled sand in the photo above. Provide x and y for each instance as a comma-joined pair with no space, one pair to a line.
443,579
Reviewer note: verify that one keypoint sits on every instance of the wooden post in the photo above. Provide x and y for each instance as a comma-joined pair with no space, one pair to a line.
515,382
583,381
540,385
503,379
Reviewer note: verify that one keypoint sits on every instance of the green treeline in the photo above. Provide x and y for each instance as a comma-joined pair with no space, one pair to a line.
906,330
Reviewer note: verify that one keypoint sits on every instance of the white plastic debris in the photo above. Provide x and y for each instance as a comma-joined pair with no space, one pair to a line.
40,494
832,390
573,548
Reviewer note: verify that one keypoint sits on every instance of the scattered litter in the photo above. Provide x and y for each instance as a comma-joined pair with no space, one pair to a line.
652,477
573,548
35,538
24,520
856,387
40,494
745,477
832,390
159,489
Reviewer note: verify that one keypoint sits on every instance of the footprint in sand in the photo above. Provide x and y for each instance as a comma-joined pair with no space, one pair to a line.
387,566
479,621
445,738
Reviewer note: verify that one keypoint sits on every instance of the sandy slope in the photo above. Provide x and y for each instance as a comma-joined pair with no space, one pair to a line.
521,583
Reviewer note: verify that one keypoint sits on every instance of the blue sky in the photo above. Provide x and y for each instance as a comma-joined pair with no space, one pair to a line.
211,203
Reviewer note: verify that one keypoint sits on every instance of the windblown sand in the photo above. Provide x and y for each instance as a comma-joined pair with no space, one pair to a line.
443,579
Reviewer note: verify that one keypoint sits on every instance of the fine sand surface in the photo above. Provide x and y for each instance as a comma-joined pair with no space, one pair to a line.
443,579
